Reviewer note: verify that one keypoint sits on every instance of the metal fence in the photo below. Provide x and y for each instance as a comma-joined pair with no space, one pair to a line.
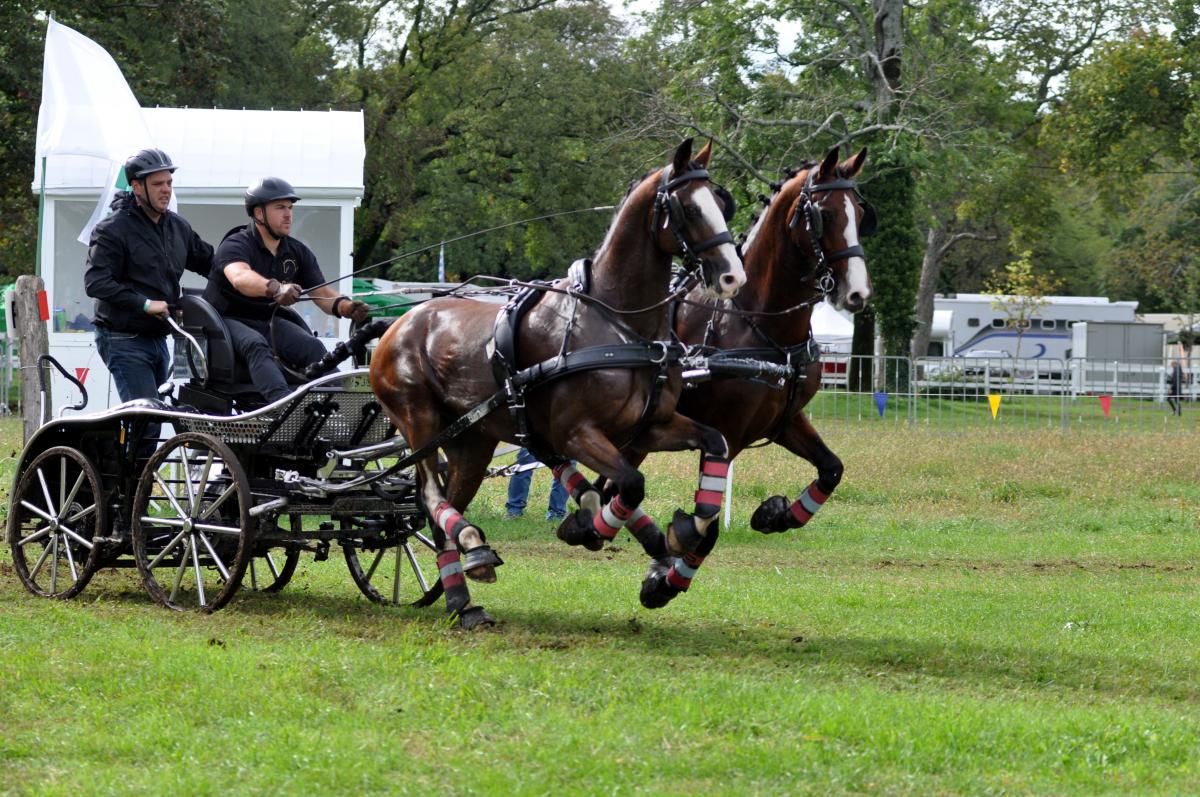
957,394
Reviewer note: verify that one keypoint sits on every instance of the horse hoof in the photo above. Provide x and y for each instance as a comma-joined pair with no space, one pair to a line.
576,529
772,516
656,592
480,563
682,535
475,617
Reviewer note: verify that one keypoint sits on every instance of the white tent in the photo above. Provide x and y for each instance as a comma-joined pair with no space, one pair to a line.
832,328
218,153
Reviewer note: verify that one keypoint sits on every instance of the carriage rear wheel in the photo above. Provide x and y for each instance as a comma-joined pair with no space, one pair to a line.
271,571
394,566
192,528
56,516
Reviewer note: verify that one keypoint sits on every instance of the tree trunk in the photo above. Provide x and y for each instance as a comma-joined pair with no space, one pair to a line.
931,269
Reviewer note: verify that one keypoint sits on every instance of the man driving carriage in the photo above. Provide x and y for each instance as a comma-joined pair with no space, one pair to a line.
259,266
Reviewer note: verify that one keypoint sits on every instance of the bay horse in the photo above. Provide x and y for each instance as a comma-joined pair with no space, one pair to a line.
433,366
805,246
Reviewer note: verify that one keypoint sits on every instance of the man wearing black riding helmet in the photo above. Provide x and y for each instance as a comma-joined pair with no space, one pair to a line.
135,259
259,266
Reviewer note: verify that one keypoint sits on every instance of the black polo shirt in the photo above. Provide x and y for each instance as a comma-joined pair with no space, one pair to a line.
292,262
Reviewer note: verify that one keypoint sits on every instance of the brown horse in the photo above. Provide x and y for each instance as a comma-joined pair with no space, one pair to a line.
805,246
432,367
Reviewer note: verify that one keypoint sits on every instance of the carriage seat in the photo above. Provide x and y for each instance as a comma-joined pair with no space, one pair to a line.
227,384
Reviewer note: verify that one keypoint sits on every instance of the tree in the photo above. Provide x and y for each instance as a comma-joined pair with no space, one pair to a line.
1020,293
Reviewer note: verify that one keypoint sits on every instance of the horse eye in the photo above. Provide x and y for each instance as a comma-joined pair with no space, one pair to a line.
692,212
827,219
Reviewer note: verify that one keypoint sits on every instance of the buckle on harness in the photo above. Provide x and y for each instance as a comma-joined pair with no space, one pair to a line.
664,352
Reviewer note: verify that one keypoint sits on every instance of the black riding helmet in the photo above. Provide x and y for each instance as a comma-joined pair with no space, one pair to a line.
268,189
147,162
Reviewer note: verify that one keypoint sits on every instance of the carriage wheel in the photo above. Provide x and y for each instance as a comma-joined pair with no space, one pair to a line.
271,571
397,566
192,529
57,513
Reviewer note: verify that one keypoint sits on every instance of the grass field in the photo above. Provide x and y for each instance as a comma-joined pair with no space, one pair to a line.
969,614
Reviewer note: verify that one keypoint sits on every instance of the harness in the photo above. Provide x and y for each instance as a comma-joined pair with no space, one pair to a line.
641,353
814,226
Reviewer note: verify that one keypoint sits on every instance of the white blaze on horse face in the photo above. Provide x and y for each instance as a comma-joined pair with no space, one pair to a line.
855,290
728,271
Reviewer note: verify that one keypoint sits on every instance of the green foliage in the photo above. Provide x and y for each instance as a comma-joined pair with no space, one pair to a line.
894,252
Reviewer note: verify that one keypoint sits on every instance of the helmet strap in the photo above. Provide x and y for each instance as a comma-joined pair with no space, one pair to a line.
265,225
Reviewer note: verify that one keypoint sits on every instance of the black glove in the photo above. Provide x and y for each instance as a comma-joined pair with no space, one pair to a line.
287,295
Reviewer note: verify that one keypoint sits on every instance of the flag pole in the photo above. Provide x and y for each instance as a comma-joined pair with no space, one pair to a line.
37,268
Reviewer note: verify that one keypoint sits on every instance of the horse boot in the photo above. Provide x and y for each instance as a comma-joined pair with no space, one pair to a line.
474,617
578,528
685,532
480,560
775,514
657,592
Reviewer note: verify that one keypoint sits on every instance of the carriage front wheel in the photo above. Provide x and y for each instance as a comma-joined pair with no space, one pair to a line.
55,520
393,565
192,528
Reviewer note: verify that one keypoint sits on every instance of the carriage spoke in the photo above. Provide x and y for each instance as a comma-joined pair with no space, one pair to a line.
170,547
54,565
233,530
199,575
374,564
186,467
170,496
396,580
215,505
203,483
37,535
416,568
70,498
271,564
70,557
75,536
87,510
224,571
253,576
37,567
179,571
46,493
37,510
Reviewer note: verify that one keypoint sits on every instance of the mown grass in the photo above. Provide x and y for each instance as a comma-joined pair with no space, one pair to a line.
970,614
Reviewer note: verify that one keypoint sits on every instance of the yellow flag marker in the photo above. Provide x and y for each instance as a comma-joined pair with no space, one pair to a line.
994,403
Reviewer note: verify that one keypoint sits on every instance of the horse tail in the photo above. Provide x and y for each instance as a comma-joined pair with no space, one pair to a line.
356,346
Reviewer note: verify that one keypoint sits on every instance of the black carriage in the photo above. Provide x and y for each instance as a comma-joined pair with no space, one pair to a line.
234,492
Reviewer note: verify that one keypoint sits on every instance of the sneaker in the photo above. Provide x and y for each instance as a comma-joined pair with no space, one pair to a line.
512,516
551,516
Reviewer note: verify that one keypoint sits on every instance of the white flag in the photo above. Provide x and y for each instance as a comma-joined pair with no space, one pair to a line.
88,109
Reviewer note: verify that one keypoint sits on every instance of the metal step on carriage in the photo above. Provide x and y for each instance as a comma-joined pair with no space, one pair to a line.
230,494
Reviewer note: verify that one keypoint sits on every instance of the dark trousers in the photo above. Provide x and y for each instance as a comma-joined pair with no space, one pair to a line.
295,345
138,363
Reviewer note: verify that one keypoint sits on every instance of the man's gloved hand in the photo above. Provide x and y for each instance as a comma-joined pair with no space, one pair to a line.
287,295
358,312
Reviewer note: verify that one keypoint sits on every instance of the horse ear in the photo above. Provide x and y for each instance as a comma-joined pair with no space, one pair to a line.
704,154
827,166
853,166
683,156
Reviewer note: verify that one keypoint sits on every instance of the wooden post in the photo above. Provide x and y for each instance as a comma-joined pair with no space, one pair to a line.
33,341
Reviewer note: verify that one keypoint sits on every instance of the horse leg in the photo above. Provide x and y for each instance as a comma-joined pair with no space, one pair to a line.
639,524
597,522
775,513
686,532
468,458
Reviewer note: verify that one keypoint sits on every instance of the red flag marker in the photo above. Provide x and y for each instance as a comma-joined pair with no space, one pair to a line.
81,374
1105,404
43,306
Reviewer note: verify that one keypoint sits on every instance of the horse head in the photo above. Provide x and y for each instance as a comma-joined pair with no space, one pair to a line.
690,219
826,221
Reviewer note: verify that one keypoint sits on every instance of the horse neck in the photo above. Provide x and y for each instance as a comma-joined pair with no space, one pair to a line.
631,272
774,266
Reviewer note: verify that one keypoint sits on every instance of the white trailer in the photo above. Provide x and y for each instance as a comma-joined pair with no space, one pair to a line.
967,322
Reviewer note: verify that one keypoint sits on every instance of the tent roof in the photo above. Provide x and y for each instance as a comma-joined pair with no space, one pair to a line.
830,325
222,151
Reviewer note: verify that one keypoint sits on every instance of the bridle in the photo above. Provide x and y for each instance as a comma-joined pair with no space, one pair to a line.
668,207
810,208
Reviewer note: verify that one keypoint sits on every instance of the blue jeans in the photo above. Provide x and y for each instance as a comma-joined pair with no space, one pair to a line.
138,364
518,490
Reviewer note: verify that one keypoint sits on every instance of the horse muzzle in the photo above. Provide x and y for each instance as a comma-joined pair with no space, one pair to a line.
723,273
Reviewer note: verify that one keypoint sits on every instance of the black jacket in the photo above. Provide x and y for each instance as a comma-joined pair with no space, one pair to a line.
132,259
